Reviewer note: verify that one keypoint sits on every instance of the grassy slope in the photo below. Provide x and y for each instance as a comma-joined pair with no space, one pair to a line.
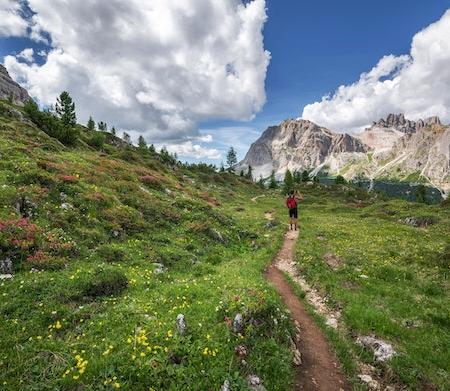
54,338
407,280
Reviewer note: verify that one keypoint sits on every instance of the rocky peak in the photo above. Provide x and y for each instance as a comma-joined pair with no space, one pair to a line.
9,89
400,123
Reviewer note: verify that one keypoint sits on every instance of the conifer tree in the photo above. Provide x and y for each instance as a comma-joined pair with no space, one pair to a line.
91,124
126,137
65,109
113,131
273,184
288,182
231,158
142,144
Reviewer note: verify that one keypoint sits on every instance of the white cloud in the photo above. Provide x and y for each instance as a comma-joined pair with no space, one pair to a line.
156,66
417,84
26,55
188,149
11,21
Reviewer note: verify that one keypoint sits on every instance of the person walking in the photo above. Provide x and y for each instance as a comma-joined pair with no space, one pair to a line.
292,204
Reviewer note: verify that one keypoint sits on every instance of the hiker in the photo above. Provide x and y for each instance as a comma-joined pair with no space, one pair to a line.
291,203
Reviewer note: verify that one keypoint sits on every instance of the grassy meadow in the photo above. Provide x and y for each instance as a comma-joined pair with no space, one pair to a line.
391,280
109,247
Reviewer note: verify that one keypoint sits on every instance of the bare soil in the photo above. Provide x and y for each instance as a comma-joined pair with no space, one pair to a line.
320,369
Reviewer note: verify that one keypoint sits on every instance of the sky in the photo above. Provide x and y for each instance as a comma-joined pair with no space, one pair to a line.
200,76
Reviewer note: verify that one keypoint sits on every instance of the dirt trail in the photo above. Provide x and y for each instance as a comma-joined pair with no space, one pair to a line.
320,370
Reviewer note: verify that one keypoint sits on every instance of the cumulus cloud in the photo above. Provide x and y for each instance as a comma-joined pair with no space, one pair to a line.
11,21
158,67
417,84
188,149
26,55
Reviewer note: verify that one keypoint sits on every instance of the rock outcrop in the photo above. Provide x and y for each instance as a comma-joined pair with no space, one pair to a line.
10,90
296,145
392,148
400,123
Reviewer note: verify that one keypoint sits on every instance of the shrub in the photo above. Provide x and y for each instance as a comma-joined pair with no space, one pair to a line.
103,282
97,140
151,181
340,180
110,253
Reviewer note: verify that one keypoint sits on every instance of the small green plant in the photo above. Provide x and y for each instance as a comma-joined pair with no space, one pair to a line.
340,180
97,140
111,253
102,282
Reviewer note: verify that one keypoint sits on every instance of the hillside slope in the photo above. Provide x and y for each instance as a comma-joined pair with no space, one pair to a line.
108,247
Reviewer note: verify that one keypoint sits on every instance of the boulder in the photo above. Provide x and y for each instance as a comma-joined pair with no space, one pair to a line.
226,386
255,383
6,266
382,350
238,323
181,324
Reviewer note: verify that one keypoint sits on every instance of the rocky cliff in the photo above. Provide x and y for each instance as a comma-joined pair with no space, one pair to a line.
296,145
9,89
392,148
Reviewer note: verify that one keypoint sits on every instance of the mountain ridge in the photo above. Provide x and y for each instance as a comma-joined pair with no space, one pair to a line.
393,148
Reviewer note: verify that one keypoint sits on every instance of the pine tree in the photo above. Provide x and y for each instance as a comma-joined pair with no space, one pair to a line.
241,173
102,126
126,137
273,184
249,174
113,131
222,168
261,182
305,176
152,149
421,194
340,180
65,109
288,182
142,144
231,158
91,124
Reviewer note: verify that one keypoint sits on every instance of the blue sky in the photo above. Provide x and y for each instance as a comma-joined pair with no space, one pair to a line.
318,45
315,47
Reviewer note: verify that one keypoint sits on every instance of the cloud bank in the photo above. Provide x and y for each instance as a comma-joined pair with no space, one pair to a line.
156,67
417,84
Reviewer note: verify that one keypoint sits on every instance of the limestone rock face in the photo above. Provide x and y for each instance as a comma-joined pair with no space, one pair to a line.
394,148
9,89
296,145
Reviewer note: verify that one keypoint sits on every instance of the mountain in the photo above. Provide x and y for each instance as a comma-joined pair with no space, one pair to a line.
393,148
10,90
297,145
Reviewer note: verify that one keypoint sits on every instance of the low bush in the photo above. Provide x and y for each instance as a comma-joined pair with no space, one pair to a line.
102,282
110,253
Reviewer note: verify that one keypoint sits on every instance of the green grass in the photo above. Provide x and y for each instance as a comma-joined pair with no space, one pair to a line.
407,270
86,308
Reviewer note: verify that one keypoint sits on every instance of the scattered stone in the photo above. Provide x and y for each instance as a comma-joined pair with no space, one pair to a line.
6,277
6,266
63,196
238,323
25,207
420,222
333,261
160,268
168,191
216,235
371,383
66,206
241,351
255,383
181,324
321,238
271,224
116,233
363,276
382,350
411,324
226,386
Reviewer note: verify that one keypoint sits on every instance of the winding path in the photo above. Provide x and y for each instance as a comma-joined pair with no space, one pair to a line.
319,370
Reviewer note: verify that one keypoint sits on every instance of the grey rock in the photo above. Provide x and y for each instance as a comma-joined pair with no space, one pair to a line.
6,277
238,323
226,386
420,222
382,350
216,235
66,206
6,266
371,383
25,207
255,383
9,89
181,324
271,224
